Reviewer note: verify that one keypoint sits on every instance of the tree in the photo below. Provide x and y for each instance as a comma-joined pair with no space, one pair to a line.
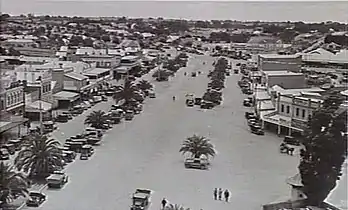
96,119
126,93
325,149
144,85
12,184
197,146
40,157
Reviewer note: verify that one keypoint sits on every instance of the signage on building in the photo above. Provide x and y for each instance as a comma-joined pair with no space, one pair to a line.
298,124
301,102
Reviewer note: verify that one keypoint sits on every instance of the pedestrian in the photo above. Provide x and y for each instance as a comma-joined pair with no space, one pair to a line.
227,195
215,193
164,203
220,193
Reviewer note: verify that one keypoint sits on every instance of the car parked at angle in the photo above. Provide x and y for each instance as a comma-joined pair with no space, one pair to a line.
4,154
57,180
257,129
35,199
62,118
141,199
86,152
197,163
129,115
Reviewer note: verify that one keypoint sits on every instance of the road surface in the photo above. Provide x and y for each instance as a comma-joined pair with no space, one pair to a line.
144,153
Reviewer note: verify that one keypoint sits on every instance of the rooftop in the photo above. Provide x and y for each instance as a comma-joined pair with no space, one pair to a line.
281,73
76,76
96,71
275,56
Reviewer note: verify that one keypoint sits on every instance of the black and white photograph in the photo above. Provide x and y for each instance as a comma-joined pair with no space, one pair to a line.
173,105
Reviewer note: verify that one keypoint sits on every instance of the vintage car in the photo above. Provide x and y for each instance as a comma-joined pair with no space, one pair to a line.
190,102
207,105
141,199
35,199
57,180
250,115
129,115
198,101
193,74
256,129
291,140
247,102
197,163
152,94
236,71
62,118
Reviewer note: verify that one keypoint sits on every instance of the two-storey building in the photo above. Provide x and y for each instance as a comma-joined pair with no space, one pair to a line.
275,62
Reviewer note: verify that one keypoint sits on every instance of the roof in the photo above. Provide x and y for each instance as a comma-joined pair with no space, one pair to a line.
76,76
129,43
275,56
130,57
35,106
322,55
96,71
283,91
20,40
65,95
282,73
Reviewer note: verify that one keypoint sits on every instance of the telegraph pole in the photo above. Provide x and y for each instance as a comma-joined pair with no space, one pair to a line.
40,107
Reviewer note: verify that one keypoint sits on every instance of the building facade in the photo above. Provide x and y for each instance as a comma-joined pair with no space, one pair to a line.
275,62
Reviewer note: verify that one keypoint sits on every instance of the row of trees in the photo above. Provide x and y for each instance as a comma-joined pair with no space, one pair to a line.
217,77
171,67
130,94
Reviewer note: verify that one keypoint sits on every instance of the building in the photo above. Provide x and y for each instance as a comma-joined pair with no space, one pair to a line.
19,43
285,79
293,108
275,62
11,109
321,58
103,58
128,64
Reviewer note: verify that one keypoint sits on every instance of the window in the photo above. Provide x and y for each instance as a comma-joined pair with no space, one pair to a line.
282,108
303,113
297,112
2,105
8,100
287,109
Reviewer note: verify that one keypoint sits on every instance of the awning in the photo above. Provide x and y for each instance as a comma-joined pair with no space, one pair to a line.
66,95
35,106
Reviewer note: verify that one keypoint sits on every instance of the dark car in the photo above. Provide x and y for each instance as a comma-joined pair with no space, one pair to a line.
249,115
291,140
62,118
198,101
256,129
35,199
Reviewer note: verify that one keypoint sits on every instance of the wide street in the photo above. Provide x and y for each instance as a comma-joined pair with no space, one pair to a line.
143,153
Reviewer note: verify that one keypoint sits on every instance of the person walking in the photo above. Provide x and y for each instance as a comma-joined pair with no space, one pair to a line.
227,195
215,193
220,193
164,203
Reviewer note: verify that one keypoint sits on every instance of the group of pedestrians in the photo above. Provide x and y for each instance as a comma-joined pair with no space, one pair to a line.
218,194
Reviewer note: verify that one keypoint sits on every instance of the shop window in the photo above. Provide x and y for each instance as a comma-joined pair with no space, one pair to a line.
8,100
282,108
2,105
297,112
303,113
287,109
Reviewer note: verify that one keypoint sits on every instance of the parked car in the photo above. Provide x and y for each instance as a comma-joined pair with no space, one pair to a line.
70,117
291,140
247,103
57,180
256,129
76,110
129,115
4,154
35,199
196,163
190,102
10,148
236,71
193,74
152,94
17,143
62,118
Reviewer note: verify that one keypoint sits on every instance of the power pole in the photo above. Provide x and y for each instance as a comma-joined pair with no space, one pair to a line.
40,107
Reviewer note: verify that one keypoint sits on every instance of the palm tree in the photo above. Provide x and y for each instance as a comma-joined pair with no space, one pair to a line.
197,146
126,92
40,158
12,184
96,119
144,85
